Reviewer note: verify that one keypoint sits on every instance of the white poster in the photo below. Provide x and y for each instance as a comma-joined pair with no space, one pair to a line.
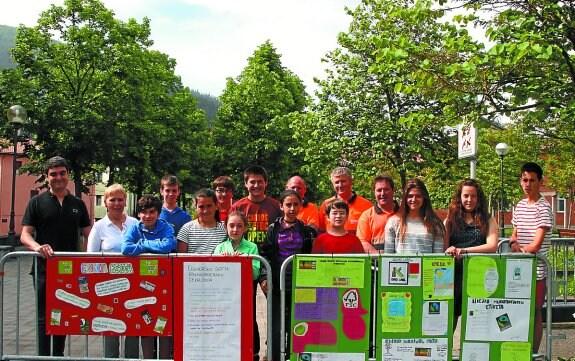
435,318
212,305
474,351
518,275
412,349
400,271
497,319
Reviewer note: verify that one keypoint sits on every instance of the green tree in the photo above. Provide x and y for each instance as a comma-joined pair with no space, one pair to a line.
99,97
369,116
252,124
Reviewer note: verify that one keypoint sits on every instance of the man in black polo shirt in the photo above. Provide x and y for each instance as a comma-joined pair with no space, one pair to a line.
56,218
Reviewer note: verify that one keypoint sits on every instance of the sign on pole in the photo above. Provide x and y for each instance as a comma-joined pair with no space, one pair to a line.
467,141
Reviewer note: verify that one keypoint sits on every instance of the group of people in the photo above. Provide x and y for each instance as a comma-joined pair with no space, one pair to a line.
278,229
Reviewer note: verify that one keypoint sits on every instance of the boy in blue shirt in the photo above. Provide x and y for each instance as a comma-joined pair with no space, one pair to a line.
150,234
170,212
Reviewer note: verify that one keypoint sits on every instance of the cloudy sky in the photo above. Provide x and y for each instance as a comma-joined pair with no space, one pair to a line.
212,39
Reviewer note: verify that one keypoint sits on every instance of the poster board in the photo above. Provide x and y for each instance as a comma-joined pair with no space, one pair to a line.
213,314
414,320
330,308
497,295
109,296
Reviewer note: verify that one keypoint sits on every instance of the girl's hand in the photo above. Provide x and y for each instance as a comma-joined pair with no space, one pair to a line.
451,251
264,286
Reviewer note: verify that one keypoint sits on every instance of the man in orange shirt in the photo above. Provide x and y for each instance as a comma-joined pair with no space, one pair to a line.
342,182
371,224
308,212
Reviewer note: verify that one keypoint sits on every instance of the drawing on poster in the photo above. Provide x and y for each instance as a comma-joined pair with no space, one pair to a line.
413,349
330,272
518,275
111,287
484,280
435,318
400,271
330,356
316,304
72,299
497,319
396,311
104,324
516,351
475,351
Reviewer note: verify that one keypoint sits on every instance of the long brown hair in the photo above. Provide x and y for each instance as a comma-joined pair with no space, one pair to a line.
456,214
430,220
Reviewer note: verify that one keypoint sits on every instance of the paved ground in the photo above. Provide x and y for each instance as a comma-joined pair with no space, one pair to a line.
19,337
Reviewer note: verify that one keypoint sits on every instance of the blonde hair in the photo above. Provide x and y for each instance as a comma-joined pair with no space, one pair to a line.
114,188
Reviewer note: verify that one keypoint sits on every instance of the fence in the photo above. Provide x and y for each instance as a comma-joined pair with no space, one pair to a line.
18,338
375,345
18,318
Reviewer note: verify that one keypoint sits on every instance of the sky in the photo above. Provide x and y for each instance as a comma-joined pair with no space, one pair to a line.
211,40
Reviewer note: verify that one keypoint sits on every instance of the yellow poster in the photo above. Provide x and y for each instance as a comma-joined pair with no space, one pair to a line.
330,272
438,278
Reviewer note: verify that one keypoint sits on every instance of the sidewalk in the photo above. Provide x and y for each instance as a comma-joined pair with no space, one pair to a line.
19,334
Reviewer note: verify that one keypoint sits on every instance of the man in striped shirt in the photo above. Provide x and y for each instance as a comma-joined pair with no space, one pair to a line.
532,224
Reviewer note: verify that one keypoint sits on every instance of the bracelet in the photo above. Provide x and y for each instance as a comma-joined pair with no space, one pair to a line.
511,243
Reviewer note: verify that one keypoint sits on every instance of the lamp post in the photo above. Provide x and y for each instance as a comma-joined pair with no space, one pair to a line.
501,149
16,115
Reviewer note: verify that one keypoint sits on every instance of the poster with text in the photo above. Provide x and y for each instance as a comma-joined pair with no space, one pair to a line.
330,308
213,314
109,296
414,318
497,307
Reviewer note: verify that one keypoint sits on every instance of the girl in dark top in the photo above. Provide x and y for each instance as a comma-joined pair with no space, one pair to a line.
285,237
469,229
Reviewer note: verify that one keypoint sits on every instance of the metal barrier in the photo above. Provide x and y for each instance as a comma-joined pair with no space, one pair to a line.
503,245
18,317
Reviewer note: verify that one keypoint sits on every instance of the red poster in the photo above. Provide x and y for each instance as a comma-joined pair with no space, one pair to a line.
109,296
213,308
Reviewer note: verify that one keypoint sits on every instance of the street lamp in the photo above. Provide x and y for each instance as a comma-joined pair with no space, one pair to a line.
16,115
501,149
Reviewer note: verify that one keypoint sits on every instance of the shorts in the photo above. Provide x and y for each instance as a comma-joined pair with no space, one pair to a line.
540,291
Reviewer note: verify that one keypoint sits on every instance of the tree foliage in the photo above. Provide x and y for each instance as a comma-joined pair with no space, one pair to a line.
253,122
369,117
100,97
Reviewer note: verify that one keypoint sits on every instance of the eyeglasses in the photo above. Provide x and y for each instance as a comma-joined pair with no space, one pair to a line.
223,190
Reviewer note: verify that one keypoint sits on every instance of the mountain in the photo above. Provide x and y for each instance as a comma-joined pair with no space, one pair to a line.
7,38
206,102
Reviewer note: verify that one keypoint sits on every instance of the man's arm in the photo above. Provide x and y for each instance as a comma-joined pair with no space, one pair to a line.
27,239
513,243
85,234
535,245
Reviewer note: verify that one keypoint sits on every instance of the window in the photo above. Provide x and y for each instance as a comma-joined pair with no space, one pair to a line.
99,201
560,205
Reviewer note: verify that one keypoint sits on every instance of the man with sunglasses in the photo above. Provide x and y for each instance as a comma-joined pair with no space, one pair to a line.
224,187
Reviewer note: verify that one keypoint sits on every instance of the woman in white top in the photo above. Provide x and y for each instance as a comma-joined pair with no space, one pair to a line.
203,234
415,228
106,236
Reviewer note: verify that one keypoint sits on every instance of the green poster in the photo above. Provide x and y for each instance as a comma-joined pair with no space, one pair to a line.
330,308
498,294
415,307
330,272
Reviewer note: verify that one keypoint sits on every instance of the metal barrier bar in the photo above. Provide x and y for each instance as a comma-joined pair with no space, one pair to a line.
89,352
502,245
